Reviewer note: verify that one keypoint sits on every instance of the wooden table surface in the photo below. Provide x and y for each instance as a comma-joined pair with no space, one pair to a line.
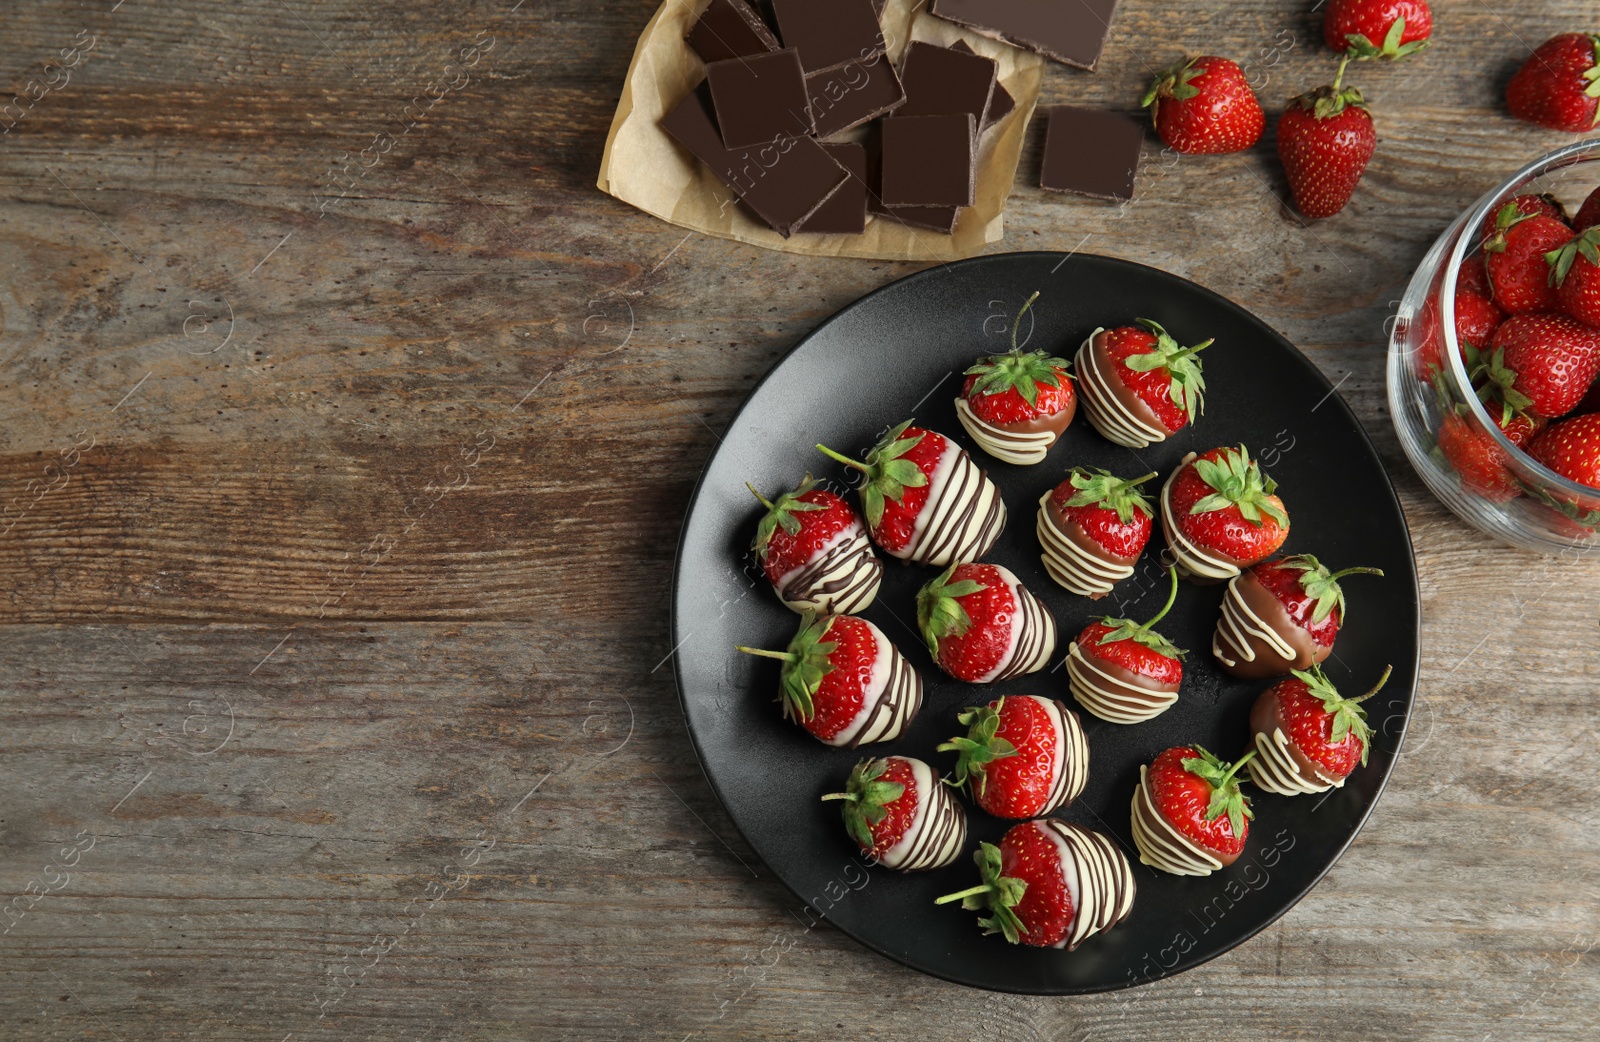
342,496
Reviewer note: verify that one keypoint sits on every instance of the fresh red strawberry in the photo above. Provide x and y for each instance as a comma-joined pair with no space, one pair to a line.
1224,508
982,625
1474,276
1571,448
844,682
1019,386
1369,29
1023,756
1554,358
912,469
1588,213
1328,734
1325,141
1514,257
813,549
1477,317
1137,647
1476,459
1205,106
1312,604
1558,86
1165,375
1543,205
1111,511
1049,885
898,813
1198,795
1576,270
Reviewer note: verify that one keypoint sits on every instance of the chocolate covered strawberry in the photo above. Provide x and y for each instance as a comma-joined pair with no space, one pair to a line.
845,683
982,625
1514,257
1221,514
1023,756
815,552
1559,85
1123,671
1049,885
924,499
1092,528
1189,816
1309,736
1139,386
1016,405
901,816
1551,358
1377,29
1280,616
1205,106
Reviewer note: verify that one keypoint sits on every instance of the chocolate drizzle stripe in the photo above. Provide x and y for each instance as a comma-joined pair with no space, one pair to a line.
1098,877
1193,559
892,704
1231,643
840,579
1276,771
962,516
1020,447
1033,635
1160,845
1109,416
938,829
1069,564
1111,698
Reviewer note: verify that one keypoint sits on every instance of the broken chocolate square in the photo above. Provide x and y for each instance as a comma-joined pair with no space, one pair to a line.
929,160
760,99
846,212
853,94
1000,102
829,33
1070,31
783,182
1091,153
730,29
942,81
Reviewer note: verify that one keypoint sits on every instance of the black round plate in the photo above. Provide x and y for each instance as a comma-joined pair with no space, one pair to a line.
898,353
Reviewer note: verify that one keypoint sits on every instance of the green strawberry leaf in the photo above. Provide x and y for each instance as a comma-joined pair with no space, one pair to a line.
998,894
1102,489
981,746
781,514
866,799
1238,483
939,610
1226,797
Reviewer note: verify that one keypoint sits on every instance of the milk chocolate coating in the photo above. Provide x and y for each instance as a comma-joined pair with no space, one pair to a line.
1124,394
1054,423
1074,533
1266,717
1268,662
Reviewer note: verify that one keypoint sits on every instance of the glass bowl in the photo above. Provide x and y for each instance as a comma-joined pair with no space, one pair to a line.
1524,504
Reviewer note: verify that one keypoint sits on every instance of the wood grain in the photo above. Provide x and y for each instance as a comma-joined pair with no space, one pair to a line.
361,560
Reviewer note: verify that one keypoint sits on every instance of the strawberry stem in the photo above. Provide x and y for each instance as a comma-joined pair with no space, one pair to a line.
1339,76
981,888
781,656
1017,325
1376,687
1355,571
764,500
1240,762
852,797
1171,599
1140,481
838,458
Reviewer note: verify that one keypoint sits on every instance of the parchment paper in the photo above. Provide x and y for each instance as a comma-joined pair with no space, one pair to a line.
644,167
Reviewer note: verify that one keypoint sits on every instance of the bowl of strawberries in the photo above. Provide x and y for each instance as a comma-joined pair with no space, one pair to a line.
1494,357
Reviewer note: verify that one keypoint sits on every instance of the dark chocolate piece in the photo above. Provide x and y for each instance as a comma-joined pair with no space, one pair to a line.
846,212
941,219
730,29
929,160
760,99
829,33
942,81
1091,153
1070,31
783,183
853,94
1001,103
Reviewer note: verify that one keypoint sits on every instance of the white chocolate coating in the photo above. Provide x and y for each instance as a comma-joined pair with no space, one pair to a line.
938,828
1160,845
1111,698
963,515
1070,565
1193,559
1023,448
891,701
840,579
1105,411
